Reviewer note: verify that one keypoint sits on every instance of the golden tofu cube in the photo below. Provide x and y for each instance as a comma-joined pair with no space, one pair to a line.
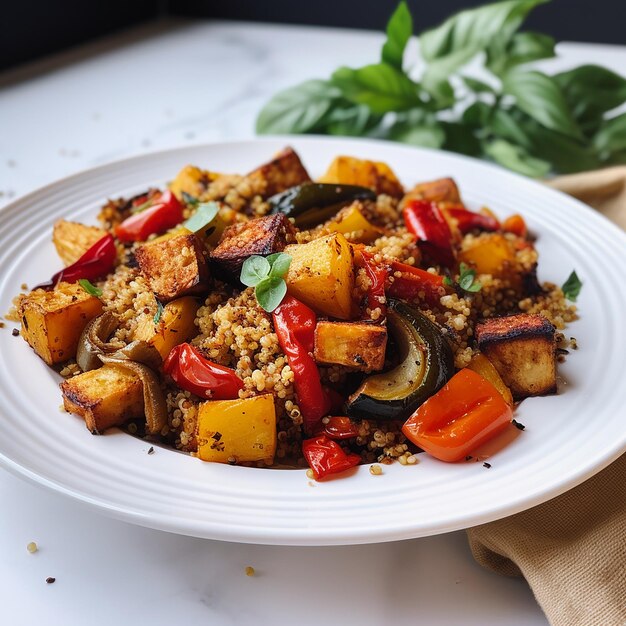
242,430
376,175
72,239
522,348
285,170
321,275
52,321
104,397
440,190
353,344
174,266
175,326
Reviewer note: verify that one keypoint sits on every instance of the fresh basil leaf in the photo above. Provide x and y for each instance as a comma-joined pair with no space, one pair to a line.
591,91
425,135
467,279
399,31
381,87
92,290
254,269
572,286
270,292
460,138
159,312
463,35
279,264
298,109
477,86
505,126
516,158
350,119
612,135
522,48
539,96
204,215
477,115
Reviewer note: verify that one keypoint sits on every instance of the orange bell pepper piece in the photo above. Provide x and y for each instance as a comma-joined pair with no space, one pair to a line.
465,413
515,224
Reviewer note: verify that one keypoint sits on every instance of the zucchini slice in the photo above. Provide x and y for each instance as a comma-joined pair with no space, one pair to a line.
426,364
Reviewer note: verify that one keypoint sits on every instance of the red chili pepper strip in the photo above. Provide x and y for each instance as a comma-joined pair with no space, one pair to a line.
165,213
467,221
426,221
515,224
325,456
97,262
192,372
375,297
341,428
411,283
294,323
465,413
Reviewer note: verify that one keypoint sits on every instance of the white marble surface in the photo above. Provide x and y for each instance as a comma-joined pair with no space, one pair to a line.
157,87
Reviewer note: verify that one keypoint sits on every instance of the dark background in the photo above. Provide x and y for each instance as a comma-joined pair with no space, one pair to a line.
32,29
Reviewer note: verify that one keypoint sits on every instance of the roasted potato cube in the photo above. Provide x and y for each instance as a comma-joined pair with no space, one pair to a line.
354,225
321,275
441,190
104,397
72,239
345,170
174,266
175,326
523,350
242,430
353,344
52,321
285,170
192,181
263,235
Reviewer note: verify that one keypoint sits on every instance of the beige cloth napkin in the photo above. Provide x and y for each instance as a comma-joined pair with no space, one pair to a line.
572,549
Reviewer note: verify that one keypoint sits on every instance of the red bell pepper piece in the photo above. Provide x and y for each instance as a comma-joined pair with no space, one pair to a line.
192,372
465,413
165,213
375,296
294,323
426,221
97,262
325,456
467,221
412,282
341,428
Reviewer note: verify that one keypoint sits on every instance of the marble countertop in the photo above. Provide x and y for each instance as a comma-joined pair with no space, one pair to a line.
160,86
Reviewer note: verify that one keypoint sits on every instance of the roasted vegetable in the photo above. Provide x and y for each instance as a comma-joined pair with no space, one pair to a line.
345,170
441,190
262,236
311,204
176,325
427,222
285,170
104,397
352,344
491,254
425,364
93,341
483,366
352,223
52,321
465,413
326,456
321,275
193,181
523,350
72,239
237,431
174,267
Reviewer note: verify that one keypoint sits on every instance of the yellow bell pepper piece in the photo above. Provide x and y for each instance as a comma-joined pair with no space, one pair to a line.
485,368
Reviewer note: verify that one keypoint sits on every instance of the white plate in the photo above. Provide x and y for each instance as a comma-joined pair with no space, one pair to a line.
568,437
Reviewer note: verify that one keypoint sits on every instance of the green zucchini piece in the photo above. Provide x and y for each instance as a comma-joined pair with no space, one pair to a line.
311,204
426,364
